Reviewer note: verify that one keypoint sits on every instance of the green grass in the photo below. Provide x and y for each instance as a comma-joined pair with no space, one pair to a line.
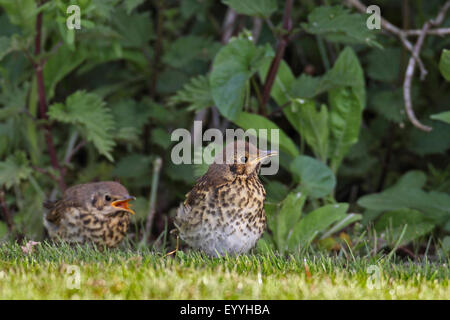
131,274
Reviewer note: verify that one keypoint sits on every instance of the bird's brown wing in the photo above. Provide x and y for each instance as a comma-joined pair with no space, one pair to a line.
57,209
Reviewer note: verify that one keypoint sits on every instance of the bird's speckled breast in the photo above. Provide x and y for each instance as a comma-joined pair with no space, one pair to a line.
81,227
231,218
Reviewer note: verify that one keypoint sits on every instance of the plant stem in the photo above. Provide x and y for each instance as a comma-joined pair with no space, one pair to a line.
8,218
38,66
152,206
283,40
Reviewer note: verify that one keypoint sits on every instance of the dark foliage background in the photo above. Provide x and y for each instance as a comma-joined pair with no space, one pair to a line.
100,103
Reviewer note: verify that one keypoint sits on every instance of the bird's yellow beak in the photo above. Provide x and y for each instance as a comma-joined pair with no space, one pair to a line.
123,204
265,154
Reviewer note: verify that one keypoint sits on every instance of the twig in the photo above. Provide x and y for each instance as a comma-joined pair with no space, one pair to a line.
228,25
281,46
256,30
38,66
8,218
152,206
434,32
412,64
46,172
415,51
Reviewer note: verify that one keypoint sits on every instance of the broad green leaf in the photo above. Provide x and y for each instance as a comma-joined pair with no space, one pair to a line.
315,222
444,64
437,141
14,169
287,218
59,65
312,125
443,116
258,8
200,48
316,179
5,46
408,193
93,119
233,66
393,223
130,5
389,104
345,121
283,81
141,166
196,93
337,24
135,34
21,12
342,223
253,121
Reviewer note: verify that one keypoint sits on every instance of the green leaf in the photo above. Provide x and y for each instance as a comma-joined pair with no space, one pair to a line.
316,179
444,64
253,121
312,125
408,193
443,116
258,8
196,93
287,218
200,48
14,169
393,223
337,24
59,65
5,46
136,34
384,65
21,12
342,223
233,66
88,113
315,222
345,121
130,5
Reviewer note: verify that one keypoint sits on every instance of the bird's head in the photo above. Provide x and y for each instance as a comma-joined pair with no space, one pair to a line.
240,158
106,197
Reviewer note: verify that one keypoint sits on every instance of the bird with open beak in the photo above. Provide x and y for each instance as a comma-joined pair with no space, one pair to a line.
224,212
97,213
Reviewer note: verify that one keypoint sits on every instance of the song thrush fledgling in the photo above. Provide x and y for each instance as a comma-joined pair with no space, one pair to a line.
96,213
224,212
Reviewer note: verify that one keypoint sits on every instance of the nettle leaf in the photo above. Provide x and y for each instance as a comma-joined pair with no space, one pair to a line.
136,34
393,222
444,64
196,93
259,8
87,111
233,67
345,121
315,178
14,169
21,12
408,193
443,116
59,65
337,24
247,121
315,222
200,48
389,104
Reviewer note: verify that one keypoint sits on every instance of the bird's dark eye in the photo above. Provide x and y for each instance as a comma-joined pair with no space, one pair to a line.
107,198
244,159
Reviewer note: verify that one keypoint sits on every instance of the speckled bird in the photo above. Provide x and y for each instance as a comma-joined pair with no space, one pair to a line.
96,213
224,212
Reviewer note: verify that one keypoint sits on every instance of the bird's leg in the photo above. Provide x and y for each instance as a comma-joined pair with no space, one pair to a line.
173,251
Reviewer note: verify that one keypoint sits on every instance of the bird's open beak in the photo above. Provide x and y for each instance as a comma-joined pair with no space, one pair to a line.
123,204
265,154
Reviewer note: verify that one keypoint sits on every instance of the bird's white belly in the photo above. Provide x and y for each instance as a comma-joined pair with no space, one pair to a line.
217,242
